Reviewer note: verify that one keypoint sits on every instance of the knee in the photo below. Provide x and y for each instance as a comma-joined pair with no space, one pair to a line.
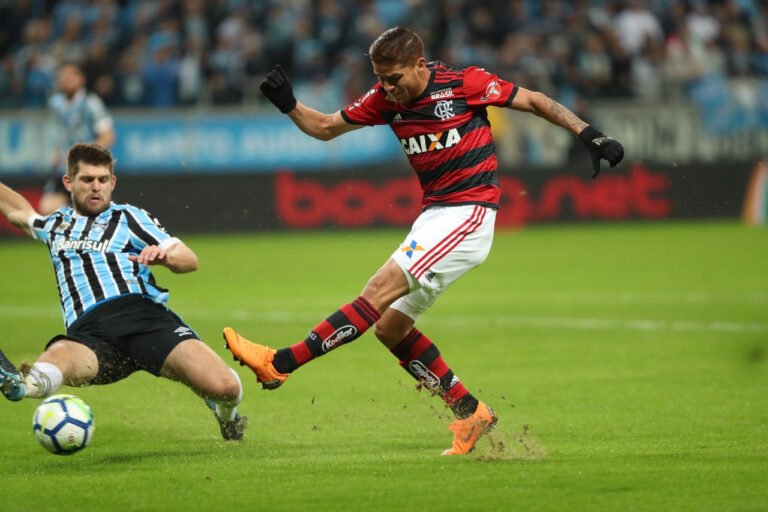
380,332
224,387
387,285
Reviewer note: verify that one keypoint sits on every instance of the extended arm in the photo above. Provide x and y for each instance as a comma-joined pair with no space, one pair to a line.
172,254
15,207
545,107
277,88
599,146
319,125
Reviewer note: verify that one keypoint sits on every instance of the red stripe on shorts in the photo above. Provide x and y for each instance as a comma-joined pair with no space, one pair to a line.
447,244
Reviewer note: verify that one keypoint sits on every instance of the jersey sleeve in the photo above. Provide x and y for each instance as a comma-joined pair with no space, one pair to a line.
146,229
368,109
102,120
37,227
483,89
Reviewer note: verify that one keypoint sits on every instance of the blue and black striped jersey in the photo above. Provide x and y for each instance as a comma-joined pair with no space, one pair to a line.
80,119
90,255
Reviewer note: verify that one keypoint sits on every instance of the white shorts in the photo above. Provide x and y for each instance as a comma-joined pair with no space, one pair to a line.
445,243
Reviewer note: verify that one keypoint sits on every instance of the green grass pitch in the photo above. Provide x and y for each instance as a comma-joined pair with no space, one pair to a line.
627,364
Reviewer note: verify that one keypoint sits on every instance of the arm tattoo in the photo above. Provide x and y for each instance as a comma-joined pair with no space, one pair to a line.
561,116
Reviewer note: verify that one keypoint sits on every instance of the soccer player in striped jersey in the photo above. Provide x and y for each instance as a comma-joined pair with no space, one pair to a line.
80,116
116,317
439,115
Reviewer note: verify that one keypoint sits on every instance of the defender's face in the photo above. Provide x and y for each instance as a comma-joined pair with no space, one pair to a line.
403,83
91,189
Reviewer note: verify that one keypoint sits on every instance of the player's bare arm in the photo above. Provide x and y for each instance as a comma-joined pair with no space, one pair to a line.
319,125
277,88
545,107
15,207
178,258
599,145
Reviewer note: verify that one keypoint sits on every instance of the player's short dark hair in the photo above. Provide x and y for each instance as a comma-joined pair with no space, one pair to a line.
397,45
91,154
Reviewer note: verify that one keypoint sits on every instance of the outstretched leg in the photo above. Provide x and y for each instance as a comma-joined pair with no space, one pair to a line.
63,362
195,364
272,367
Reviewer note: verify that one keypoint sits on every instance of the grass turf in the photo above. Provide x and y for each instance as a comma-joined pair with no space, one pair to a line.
627,364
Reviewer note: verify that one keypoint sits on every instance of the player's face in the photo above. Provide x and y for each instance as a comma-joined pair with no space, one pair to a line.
401,82
70,80
91,189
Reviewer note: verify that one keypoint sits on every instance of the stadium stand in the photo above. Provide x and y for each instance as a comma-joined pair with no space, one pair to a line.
165,53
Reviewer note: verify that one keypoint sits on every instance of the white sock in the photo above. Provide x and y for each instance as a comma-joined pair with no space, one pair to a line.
227,410
42,379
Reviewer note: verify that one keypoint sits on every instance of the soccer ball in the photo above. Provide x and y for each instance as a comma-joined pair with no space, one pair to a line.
63,424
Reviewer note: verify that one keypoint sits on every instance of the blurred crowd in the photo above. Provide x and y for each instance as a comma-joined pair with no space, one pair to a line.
164,53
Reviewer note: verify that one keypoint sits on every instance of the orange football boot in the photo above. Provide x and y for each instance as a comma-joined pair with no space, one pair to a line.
256,357
467,431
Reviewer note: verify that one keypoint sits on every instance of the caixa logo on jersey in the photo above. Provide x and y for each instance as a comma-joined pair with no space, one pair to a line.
424,374
430,142
338,337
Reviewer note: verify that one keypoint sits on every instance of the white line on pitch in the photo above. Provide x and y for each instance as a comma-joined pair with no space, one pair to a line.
542,322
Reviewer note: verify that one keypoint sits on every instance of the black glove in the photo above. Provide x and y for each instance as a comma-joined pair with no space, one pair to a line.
277,88
600,146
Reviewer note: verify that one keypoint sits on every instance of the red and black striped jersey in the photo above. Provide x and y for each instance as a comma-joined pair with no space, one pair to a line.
445,132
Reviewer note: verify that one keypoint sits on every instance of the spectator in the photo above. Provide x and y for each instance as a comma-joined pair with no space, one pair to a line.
702,23
130,84
634,25
647,70
224,68
160,76
190,73
70,47
10,86
593,66
99,71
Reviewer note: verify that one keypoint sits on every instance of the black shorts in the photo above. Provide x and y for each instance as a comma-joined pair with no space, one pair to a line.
55,184
128,334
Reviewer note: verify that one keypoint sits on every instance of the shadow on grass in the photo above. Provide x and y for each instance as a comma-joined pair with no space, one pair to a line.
97,461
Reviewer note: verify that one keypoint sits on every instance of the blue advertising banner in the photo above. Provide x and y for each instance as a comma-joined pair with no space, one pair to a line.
26,145
240,143
178,143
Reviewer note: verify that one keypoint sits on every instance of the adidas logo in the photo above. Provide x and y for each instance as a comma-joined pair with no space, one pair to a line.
397,118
